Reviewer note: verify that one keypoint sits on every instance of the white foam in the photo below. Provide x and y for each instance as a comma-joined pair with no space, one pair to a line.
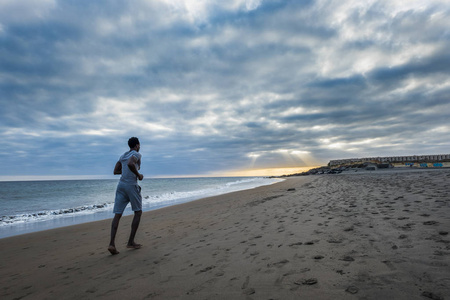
76,215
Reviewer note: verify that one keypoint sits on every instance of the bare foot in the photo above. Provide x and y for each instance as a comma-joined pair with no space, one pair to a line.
134,246
113,250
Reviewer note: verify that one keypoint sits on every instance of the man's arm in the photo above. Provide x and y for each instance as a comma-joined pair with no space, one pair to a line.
118,168
132,166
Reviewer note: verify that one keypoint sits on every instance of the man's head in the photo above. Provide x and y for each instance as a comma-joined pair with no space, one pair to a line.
133,142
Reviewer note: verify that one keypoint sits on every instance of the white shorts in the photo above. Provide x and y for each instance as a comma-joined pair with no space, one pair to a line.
127,193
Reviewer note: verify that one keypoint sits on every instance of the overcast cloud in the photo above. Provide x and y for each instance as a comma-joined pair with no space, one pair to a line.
214,86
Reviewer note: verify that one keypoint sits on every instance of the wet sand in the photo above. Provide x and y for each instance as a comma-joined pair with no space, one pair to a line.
372,235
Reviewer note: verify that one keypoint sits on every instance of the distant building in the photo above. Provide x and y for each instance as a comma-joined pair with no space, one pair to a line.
418,161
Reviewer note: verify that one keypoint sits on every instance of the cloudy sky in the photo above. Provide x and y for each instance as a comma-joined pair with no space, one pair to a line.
215,87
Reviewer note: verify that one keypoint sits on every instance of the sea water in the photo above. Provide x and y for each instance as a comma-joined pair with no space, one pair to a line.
29,206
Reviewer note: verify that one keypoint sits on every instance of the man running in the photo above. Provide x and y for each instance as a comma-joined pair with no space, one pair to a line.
128,191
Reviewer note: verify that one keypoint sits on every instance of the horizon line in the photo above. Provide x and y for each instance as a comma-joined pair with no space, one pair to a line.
266,172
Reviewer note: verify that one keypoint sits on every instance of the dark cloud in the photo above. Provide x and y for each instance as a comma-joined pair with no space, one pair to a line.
219,86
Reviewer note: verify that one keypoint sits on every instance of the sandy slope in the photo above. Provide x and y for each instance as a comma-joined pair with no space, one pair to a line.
379,235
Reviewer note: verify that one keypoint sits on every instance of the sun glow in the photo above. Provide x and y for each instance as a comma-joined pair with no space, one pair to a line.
266,172
291,161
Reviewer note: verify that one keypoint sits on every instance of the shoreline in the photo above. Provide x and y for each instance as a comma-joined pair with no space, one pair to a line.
45,220
374,236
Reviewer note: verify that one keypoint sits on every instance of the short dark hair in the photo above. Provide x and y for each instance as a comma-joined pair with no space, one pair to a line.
133,141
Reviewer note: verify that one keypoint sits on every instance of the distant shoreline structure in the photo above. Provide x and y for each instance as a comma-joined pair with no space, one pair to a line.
380,162
418,161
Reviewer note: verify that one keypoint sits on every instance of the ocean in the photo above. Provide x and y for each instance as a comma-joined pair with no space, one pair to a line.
29,206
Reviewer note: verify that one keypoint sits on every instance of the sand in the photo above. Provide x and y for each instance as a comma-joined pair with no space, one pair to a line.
373,235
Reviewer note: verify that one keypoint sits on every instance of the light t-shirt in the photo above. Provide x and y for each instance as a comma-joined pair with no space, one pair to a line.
129,177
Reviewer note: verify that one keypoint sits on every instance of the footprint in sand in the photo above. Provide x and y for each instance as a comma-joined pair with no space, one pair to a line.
249,291
348,258
309,281
334,241
279,264
352,290
246,289
431,295
430,223
205,270
389,265
295,244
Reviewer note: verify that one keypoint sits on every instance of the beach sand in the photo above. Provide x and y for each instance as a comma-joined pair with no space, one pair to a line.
372,235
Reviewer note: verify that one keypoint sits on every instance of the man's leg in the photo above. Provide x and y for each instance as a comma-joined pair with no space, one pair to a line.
134,228
114,226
